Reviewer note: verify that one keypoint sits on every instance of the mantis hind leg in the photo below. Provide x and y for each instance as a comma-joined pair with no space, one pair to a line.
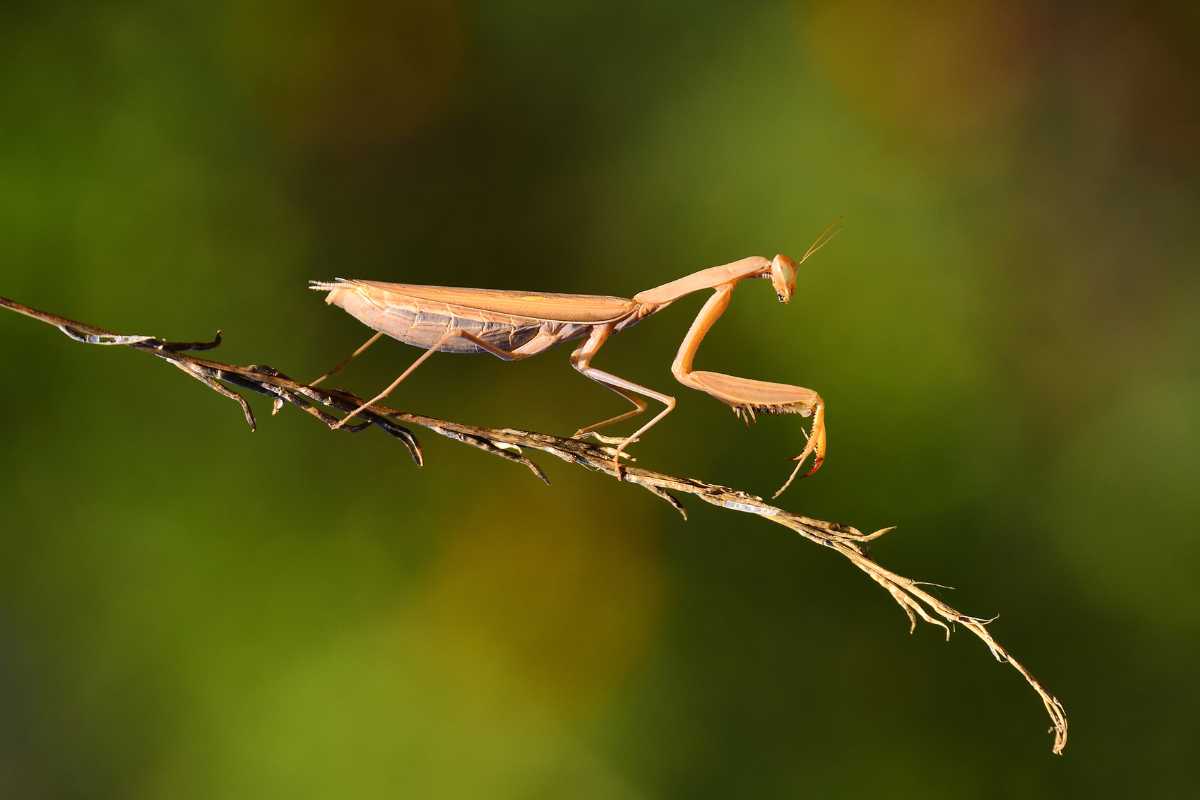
341,365
505,355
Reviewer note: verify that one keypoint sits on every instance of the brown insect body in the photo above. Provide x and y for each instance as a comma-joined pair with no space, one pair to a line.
513,325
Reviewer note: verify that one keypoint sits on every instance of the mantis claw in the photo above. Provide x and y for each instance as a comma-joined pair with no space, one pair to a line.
749,397
815,447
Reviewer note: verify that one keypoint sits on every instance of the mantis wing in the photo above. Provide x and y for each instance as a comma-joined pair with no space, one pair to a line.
534,306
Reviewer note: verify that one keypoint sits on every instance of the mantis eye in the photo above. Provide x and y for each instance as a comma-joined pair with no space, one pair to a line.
783,277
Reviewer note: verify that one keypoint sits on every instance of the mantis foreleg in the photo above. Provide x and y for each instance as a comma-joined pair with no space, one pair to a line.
747,396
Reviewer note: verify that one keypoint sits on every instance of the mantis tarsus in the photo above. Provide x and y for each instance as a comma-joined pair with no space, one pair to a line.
514,325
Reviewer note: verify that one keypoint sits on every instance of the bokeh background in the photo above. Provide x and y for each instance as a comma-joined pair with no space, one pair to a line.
1005,334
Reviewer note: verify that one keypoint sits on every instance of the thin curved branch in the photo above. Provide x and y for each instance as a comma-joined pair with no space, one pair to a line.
510,444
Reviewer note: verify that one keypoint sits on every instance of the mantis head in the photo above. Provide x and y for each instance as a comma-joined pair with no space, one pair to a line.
783,269
783,277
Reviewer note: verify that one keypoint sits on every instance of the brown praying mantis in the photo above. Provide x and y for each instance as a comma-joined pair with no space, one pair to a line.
514,325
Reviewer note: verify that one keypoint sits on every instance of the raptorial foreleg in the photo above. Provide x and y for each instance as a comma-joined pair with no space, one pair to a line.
746,396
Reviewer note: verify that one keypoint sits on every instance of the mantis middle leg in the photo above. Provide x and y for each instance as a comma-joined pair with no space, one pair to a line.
747,396
581,360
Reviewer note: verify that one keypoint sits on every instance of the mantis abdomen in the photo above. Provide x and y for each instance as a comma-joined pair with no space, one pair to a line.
424,323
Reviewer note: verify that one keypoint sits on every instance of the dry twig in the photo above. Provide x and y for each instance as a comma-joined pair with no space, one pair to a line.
510,444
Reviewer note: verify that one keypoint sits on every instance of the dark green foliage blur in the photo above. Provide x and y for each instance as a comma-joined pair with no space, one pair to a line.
1005,334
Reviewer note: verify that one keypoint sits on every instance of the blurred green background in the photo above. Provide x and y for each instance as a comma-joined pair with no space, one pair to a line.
1005,334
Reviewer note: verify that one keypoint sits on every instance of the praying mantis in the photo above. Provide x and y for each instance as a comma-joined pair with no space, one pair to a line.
514,325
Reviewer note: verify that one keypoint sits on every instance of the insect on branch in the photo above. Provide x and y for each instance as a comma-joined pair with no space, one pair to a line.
913,596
